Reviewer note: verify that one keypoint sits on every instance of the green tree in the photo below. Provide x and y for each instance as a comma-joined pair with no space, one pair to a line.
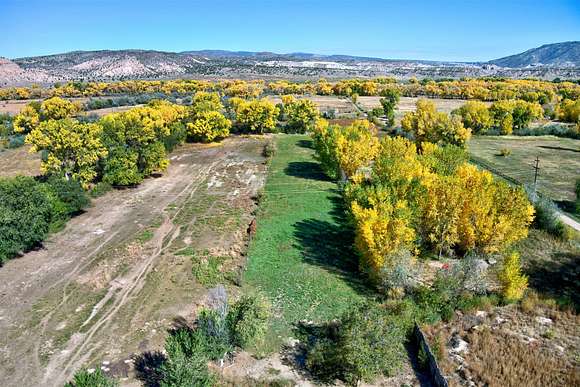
25,214
389,103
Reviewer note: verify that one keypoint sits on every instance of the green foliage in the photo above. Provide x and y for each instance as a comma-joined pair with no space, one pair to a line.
577,191
248,320
269,149
505,152
121,167
445,160
186,364
547,217
367,342
25,215
389,103
97,378
100,189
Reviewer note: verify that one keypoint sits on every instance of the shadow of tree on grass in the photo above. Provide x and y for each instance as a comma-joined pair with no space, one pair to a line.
306,170
557,277
330,246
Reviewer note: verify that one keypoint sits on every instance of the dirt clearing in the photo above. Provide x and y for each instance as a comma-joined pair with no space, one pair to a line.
113,281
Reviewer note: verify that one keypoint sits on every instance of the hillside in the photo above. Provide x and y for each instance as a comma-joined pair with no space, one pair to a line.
558,60
566,54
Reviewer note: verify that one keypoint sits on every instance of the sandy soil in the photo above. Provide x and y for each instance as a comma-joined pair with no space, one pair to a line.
19,161
110,284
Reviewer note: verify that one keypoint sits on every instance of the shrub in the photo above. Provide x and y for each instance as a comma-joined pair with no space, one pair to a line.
100,189
25,214
97,378
16,141
505,152
513,282
547,217
214,332
248,320
365,343
186,363
269,148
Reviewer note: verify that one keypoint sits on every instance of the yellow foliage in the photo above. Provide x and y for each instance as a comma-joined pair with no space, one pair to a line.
26,120
356,146
513,282
381,231
56,108
256,116
428,125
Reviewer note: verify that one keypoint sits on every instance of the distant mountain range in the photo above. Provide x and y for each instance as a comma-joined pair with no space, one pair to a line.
566,54
548,61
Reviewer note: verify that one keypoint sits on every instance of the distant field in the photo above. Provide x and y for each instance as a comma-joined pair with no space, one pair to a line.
342,105
559,161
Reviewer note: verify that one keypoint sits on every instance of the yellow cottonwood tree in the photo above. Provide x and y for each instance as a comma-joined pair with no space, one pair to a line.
428,125
356,146
26,120
73,148
381,230
57,108
256,116
209,126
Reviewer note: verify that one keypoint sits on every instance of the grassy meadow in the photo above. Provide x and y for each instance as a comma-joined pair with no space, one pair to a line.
559,161
302,255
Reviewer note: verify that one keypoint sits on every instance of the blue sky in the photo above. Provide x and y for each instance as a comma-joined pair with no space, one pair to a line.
436,30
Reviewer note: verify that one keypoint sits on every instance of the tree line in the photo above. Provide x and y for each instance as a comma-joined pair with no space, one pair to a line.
486,89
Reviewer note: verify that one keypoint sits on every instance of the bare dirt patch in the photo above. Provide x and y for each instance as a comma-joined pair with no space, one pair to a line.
112,282
19,161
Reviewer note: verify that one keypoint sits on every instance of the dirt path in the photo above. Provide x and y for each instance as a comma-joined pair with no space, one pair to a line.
569,221
110,284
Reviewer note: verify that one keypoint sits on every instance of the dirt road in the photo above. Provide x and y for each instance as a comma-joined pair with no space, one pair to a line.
111,283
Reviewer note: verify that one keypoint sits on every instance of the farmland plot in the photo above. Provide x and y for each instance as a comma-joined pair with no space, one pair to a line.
559,161
111,283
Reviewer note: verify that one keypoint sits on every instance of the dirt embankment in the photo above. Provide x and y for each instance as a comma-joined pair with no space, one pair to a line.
112,282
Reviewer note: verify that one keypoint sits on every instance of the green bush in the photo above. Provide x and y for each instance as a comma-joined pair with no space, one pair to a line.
70,193
269,149
97,378
25,214
100,189
186,363
248,320
547,219
367,342
505,152
212,326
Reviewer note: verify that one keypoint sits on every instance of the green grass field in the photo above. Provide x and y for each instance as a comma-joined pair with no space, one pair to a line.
301,256
559,161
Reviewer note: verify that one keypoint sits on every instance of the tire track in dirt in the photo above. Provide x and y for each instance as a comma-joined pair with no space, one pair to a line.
122,292
76,250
